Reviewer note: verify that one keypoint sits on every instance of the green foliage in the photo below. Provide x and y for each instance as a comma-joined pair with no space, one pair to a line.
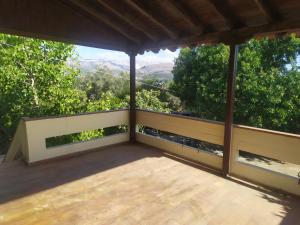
73,138
165,95
267,85
107,101
267,91
106,92
200,78
94,84
149,100
35,80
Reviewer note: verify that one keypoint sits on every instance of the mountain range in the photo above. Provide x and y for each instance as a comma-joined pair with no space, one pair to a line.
162,71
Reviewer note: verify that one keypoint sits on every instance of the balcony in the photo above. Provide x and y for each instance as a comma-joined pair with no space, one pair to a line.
153,181
150,180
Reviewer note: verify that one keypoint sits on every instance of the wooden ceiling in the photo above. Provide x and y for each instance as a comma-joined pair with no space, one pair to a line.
139,25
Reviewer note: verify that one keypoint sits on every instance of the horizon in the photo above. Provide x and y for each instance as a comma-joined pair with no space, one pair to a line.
148,58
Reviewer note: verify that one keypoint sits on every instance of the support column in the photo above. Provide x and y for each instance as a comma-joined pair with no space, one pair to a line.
229,107
132,104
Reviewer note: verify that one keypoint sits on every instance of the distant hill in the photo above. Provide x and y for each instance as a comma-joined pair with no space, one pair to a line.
162,71
91,65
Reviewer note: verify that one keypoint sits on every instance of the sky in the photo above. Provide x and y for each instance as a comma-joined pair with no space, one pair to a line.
148,58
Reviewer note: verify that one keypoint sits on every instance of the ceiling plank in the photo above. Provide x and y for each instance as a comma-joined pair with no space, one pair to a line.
154,18
238,35
223,9
266,10
190,13
128,19
180,9
103,18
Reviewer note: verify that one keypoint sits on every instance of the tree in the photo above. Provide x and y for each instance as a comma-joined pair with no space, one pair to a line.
267,86
200,78
101,81
36,80
162,86
149,100
106,91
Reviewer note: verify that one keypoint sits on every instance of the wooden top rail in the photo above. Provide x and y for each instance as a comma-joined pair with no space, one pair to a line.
272,144
70,115
56,126
222,123
182,116
267,131
204,130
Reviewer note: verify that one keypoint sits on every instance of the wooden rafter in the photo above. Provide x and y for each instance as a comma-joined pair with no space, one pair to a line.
154,18
71,22
103,18
193,17
228,15
266,10
180,9
128,19
237,35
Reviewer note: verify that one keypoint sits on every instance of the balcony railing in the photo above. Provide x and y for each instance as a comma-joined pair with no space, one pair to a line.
212,132
31,135
276,145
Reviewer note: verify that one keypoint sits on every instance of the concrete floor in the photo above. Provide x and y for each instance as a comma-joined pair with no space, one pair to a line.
133,184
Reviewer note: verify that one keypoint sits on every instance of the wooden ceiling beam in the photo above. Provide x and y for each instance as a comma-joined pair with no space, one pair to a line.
238,35
180,9
227,13
266,10
68,40
91,11
128,19
152,17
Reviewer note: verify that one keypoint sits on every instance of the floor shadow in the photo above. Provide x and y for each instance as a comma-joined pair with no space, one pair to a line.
290,213
18,179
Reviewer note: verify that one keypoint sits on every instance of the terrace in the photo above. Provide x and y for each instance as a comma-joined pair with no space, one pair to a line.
133,177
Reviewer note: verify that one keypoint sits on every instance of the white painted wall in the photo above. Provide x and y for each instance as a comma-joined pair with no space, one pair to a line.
36,131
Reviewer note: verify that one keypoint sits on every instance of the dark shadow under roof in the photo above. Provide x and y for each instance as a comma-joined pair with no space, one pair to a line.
140,25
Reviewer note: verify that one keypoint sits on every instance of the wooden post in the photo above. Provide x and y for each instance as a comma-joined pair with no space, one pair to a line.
132,104
229,107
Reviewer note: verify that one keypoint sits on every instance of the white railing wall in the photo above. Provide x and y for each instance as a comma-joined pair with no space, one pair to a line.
208,131
31,134
280,146
275,145
19,143
39,129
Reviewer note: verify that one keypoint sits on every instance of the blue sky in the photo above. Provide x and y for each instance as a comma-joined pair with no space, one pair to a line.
163,56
